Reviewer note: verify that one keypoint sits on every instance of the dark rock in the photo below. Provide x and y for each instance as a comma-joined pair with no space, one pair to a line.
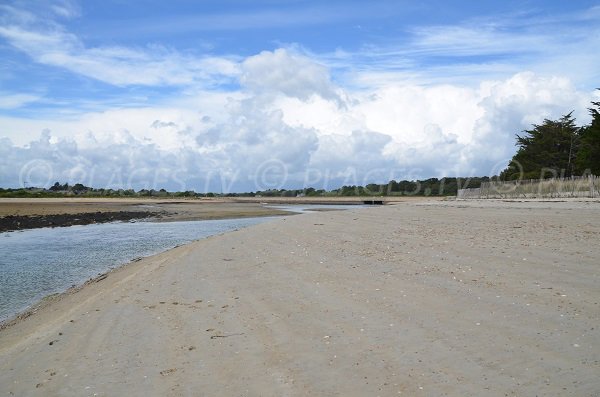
19,222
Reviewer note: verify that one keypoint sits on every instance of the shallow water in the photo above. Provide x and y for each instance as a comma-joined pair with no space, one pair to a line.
39,262
303,208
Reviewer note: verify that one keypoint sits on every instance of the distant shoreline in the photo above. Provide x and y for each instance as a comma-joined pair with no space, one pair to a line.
20,214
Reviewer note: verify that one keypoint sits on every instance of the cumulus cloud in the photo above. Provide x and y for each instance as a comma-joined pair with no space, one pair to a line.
286,73
290,126
163,124
256,147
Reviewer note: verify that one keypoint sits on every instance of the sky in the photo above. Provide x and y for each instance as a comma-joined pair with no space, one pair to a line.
231,95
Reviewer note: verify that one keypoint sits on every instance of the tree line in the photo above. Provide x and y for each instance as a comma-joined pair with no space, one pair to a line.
425,187
79,190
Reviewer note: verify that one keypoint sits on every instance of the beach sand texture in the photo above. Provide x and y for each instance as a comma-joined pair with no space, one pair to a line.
436,299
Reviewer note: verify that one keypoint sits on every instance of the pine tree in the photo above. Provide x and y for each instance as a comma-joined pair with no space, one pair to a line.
547,150
588,156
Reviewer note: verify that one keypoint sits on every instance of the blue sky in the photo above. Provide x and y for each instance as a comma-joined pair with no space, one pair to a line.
431,88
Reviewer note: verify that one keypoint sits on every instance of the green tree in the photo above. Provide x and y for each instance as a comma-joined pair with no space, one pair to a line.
393,187
78,188
588,155
374,189
547,150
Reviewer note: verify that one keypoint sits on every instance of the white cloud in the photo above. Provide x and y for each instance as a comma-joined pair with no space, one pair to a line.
475,50
289,136
65,8
50,44
473,40
286,73
14,101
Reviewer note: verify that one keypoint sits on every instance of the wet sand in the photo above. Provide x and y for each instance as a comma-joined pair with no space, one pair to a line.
419,298
18,214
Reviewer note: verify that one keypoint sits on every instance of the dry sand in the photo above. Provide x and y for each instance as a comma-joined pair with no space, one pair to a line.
434,299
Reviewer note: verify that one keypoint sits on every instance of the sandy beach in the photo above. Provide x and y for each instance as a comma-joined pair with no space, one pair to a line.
431,298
